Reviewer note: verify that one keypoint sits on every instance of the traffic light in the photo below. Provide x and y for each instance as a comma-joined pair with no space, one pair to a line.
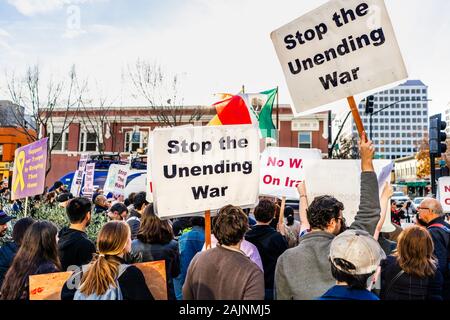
437,135
369,104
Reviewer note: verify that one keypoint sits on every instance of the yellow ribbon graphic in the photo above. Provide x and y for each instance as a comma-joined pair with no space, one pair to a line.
20,163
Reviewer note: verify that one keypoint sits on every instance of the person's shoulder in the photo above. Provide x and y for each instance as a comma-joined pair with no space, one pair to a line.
131,271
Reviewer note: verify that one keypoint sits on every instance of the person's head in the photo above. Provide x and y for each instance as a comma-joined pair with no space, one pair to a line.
326,213
39,245
50,197
289,214
58,186
393,205
79,211
118,211
153,229
415,252
265,211
19,229
113,241
429,210
131,197
101,201
63,199
355,256
4,219
230,225
140,202
197,222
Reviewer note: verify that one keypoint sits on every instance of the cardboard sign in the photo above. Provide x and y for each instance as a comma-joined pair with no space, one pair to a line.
338,50
444,193
155,277
48,286
341,179
88,189
116,179
30,163
77,181
196,169
282,170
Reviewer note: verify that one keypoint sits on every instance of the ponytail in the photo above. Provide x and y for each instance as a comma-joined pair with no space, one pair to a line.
102,273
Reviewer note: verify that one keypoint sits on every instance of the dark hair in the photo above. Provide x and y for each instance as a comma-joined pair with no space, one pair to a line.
197,221
264,211
57,184
131,197
63,197
119,207
126,202
20,228
354,281
322,210
39,246
230,226
139,200
77,209
289,214
153,229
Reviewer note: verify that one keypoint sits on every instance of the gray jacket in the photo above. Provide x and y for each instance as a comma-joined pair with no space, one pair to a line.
304,272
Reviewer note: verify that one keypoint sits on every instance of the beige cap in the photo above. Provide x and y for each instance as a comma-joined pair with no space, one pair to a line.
360,249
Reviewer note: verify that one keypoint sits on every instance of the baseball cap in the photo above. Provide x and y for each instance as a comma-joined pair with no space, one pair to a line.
4,218
360,249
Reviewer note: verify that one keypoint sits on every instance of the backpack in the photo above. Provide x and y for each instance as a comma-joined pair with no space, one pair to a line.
113,293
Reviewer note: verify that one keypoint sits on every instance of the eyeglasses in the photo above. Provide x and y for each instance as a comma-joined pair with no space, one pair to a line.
423,208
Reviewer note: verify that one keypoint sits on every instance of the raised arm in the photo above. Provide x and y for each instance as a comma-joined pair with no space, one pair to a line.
387,193
303,205
280,226
368,213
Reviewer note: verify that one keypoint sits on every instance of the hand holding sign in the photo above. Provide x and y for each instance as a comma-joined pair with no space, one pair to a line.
367,151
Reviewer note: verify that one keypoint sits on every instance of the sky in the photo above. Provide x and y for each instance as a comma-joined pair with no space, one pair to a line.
213,46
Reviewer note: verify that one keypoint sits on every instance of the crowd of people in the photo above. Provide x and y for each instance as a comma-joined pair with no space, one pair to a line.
264,254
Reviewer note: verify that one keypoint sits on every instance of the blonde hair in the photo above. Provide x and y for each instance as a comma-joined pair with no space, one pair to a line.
415,252
103,270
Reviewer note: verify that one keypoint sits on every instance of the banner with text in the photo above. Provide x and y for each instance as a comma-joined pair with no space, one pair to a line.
444,193
282,170
30,163
116,179
88,189
77,180
341,179
200,168
340,49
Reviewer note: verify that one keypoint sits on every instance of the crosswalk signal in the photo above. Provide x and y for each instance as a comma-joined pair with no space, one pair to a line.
369,104
437,136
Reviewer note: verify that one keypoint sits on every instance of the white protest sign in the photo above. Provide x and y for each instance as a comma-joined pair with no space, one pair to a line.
77,180
148,180
444,193
88,189
194,169
116,179
282,170
341,179
338,50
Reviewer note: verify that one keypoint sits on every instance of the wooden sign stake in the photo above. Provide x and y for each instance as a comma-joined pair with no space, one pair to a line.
208,229
356,116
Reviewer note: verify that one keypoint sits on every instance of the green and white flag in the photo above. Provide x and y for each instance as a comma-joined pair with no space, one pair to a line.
261,106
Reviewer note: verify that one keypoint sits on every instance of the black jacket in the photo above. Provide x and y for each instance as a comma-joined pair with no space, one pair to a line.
441,241
145,252
132,285
74,248
7,254
271,245
134,221
408,287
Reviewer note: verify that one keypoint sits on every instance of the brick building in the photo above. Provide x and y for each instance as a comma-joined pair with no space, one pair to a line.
124,130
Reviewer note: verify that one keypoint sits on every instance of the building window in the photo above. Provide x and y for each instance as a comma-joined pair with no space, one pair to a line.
59,141
88,141
135,140
305,140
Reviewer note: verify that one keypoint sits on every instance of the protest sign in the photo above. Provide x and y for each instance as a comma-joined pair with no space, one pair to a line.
77,180
337,51
48,286
282,170
88,189
444,193
116,179
155,277
194,169
30,163
341,179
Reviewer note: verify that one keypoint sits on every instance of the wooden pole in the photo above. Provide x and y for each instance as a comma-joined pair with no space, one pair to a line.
26,206
356,116
208,229
281,217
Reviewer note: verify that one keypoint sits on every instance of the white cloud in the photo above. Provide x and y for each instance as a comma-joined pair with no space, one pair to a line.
34,7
